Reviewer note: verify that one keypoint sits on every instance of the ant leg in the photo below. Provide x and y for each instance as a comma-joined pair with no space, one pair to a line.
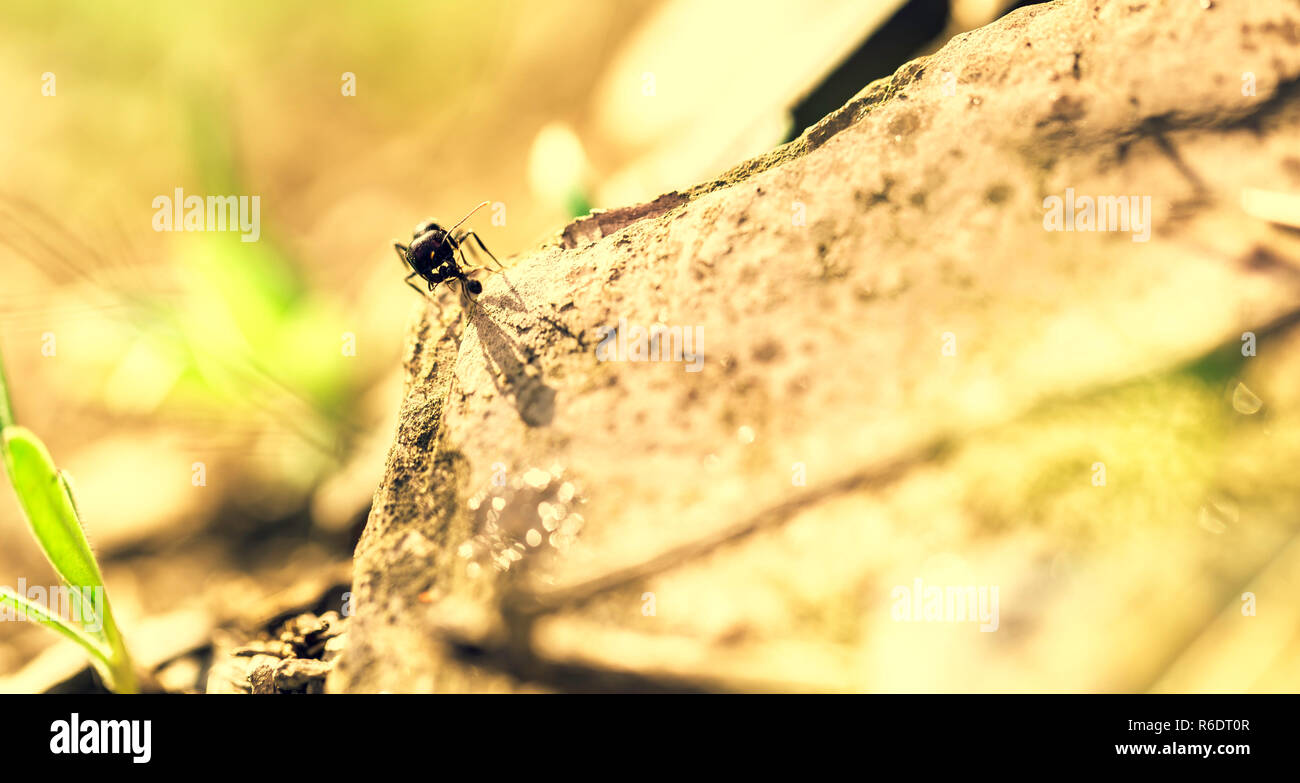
468,234
464,262
415,287
401,252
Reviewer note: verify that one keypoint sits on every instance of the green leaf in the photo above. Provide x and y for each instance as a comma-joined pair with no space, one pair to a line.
46,499
49,508
45,494
98,652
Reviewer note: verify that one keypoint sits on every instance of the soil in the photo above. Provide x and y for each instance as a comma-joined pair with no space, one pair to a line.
286,645
294,658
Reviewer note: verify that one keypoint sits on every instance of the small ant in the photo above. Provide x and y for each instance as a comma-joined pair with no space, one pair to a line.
432,255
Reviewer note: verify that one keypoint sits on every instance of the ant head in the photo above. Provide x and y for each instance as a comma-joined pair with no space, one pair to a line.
426,227
475,287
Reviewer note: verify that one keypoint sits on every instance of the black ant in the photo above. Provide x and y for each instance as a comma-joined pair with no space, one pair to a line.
432,255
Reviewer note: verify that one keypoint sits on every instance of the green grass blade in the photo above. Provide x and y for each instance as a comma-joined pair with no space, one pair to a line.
98,652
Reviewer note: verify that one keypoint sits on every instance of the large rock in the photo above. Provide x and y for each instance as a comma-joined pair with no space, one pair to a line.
904,376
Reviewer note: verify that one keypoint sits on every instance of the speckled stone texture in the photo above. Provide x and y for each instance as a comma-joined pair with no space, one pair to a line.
905,376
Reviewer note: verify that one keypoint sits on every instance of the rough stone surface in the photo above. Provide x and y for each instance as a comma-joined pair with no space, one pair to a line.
674,546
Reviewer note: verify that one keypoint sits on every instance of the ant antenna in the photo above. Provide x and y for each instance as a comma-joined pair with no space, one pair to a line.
471,212
447,233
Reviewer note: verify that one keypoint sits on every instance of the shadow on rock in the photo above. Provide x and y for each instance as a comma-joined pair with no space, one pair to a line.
513,376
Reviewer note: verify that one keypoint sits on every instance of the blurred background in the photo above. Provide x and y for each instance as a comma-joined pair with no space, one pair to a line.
223,436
